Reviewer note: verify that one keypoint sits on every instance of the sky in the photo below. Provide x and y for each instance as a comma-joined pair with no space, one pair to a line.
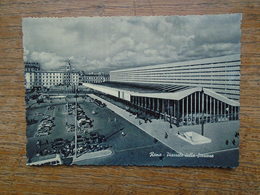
101,44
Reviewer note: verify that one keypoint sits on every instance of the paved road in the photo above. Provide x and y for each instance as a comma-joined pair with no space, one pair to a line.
132,149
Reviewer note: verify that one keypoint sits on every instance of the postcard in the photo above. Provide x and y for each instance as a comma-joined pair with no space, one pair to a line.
138,91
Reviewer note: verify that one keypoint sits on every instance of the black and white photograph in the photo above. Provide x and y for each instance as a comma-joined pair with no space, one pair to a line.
133,90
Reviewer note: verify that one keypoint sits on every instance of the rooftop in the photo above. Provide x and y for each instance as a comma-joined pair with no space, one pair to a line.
145,88
173,92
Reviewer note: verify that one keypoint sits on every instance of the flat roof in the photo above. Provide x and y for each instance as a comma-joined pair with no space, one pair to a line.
172,92
145,87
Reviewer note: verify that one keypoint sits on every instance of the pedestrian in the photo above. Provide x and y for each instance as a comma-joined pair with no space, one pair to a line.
226,142
166,135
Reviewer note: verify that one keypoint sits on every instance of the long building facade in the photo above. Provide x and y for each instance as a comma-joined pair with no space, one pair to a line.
185,106
185,93
92,77
221,74
35,77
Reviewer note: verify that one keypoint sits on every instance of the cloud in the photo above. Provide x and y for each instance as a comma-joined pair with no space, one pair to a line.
49,61
109,43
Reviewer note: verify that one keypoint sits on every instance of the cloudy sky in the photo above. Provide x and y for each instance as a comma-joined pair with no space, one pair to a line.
110,43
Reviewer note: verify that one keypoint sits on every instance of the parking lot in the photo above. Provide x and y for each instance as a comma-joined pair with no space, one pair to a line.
55,127
101,128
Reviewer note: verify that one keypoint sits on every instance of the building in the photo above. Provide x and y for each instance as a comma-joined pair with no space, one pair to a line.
35,77
99,77
70,77
221,74
48,78
30,72
185,93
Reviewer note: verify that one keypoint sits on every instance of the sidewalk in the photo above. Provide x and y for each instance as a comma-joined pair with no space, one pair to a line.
217,132
91,155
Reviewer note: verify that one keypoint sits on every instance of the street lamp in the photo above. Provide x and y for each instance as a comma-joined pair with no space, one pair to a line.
203,110
76,127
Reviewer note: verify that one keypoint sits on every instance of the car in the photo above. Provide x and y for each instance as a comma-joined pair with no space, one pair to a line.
81,141
49,125
94,134
58,143
58,139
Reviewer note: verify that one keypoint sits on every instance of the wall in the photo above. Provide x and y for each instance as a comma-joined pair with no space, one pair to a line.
222,74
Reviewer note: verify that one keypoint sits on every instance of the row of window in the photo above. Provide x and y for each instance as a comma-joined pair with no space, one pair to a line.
166,67
179,69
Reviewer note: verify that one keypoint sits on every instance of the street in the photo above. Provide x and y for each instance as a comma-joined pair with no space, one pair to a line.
130,145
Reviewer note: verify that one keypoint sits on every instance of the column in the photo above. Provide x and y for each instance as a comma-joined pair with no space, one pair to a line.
174,108
228,112
170,111
168,107
187,108
191,110
178,113
202,106
238,112
235,112
210,106
217,108
214,112
199,110
158,105
195,107
183,110
221,109
206,102
163,108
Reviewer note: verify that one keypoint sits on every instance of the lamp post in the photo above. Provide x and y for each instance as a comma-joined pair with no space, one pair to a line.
203,110
76,127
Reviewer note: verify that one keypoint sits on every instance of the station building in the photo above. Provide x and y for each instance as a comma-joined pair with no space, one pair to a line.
221,74
185,93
